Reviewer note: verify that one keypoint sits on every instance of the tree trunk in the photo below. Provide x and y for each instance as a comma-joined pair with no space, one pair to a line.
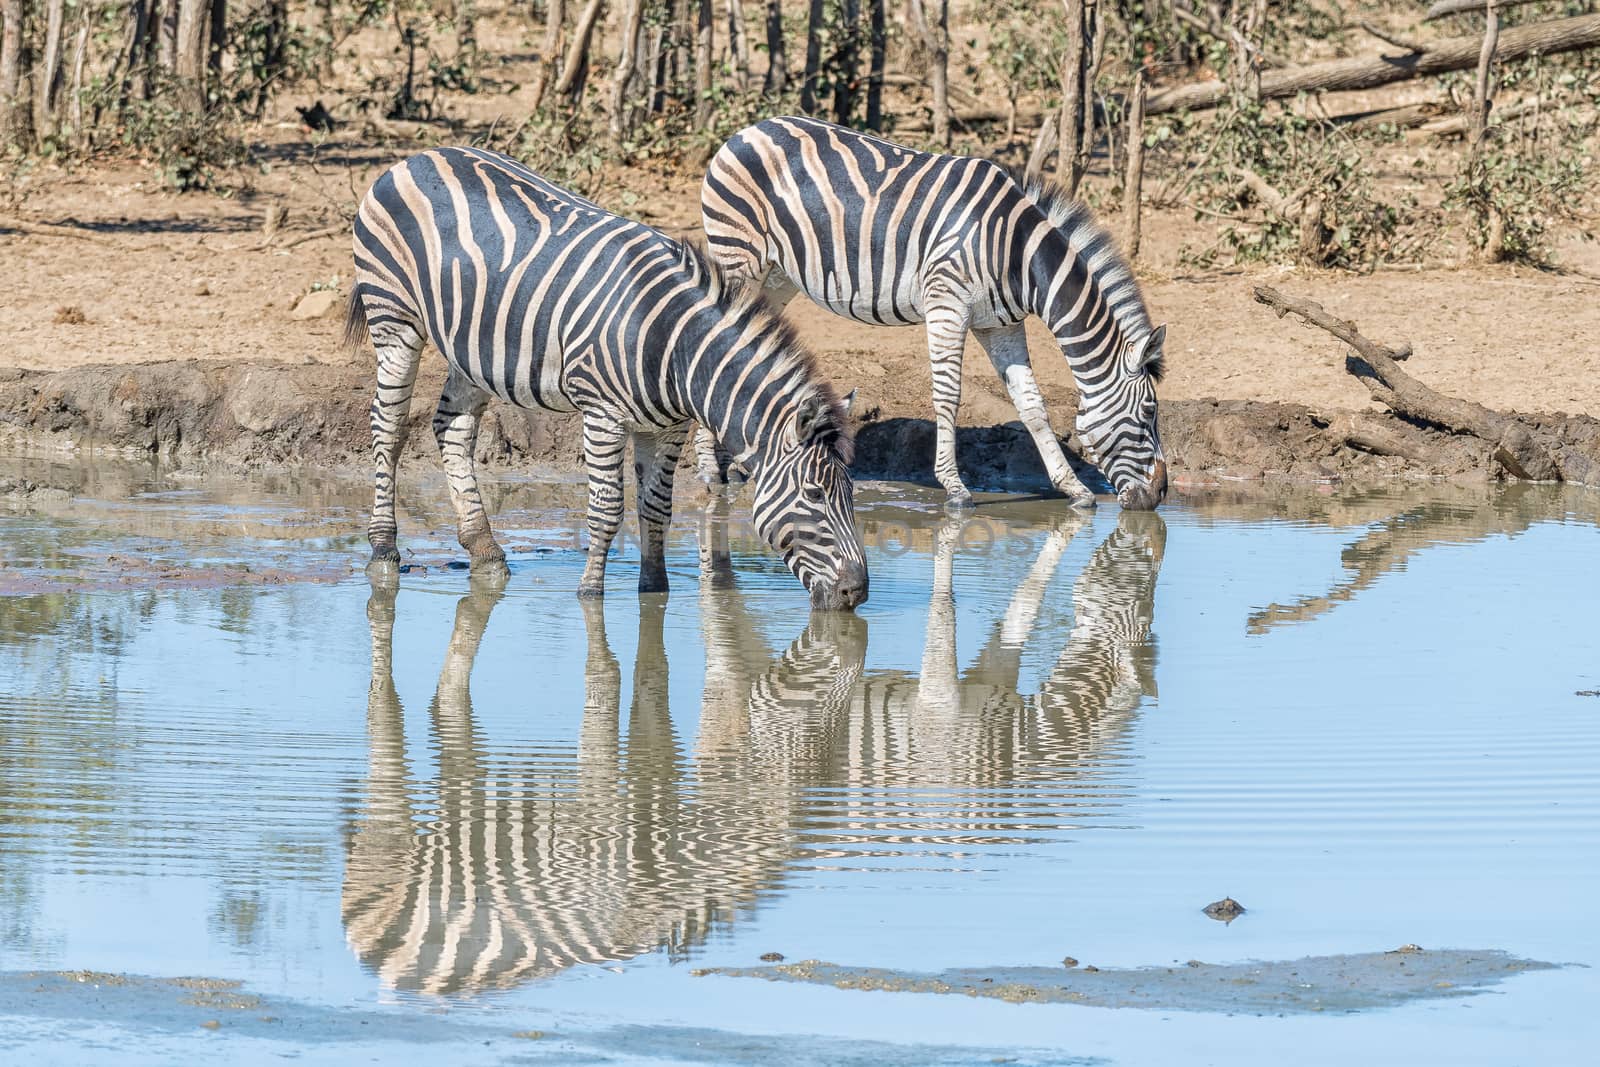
738,45
1482,96
16,125
80,56
554,30
933,27
1457,7
167,56
1073,66
632,20
777,79
47,94
1368,72
875,64
702,64
135,55
1133,185
844,83
814,28
576,66
191,54
217,39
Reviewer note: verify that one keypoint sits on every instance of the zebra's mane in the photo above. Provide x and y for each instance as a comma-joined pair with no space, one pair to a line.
741,302
1105,260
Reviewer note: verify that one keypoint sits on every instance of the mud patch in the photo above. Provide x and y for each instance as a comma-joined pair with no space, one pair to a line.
244,413
1345,983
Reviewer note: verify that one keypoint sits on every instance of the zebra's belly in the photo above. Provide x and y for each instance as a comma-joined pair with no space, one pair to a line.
901,306
533,380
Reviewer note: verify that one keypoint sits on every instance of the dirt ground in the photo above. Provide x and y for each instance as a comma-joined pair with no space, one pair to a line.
182,277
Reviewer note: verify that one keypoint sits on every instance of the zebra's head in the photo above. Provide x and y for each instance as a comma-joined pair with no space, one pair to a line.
805,504
1117,417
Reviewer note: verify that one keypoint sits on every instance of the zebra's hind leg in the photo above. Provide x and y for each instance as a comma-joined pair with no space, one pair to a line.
455,427
1007,348
399,349
603,440
712,463
947,337
655,462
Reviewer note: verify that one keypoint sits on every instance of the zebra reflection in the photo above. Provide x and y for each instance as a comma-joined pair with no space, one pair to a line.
501,870
496,873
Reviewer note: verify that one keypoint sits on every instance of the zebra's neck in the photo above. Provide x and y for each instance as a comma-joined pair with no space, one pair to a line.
1069,294
742,379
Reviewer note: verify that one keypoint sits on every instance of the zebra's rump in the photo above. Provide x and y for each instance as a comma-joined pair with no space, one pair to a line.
855,221
509,276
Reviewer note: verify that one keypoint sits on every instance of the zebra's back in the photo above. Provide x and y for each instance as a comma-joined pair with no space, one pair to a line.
507,274
857,222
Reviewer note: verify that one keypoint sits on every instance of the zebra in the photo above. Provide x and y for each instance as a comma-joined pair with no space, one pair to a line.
543,299
885,234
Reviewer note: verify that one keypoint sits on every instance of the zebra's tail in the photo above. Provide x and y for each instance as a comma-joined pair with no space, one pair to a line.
355,322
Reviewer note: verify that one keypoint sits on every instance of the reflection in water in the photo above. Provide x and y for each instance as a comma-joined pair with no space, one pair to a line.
1390,544
502,870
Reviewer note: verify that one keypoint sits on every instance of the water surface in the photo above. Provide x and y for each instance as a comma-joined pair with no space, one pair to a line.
447,812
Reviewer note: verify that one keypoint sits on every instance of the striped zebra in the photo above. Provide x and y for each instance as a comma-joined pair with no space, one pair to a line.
541,298
883,234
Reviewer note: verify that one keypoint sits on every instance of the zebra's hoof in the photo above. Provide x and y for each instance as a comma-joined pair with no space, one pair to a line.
591,592
1085,501
384,567
958,502
491,571
652,583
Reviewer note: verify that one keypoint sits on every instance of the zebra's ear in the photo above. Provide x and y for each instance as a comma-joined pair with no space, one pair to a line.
813,418
847,403
1147,356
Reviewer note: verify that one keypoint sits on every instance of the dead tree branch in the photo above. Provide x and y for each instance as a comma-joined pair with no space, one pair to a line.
1392,38
1368,72
1458,7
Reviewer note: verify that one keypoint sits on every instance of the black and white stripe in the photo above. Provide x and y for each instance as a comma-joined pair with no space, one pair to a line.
884,234
542,299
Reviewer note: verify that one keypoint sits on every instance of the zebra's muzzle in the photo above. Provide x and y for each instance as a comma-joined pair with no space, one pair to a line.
1147,496
847,591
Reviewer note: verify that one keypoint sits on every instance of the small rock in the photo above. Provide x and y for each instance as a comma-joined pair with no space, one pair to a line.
1405,950
1091,968
1068,961
530,1035
70,315
202,289
212,1024
1194,963
772,957
1225,910
316,305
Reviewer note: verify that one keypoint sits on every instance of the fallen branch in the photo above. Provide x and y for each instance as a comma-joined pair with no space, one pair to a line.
1401,118
1522,451
1392,38
48,229
1445,8
1368,72
1459,125
327,231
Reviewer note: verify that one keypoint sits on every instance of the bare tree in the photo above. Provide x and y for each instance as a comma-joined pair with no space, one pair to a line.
47,98
738,45
702,65
844,82
1133,185
932,20
16,125
814,27
554,29
632,19
191,53
878,43
575,70
217,38
777,79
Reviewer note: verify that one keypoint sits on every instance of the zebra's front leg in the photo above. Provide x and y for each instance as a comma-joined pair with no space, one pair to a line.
455,427
947,338
603,441
655,462
1007,348
713,465
399,351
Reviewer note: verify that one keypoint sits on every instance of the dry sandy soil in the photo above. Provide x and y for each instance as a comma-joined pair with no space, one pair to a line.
182,277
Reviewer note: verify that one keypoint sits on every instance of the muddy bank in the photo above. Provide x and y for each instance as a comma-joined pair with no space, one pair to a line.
247,413
1314,984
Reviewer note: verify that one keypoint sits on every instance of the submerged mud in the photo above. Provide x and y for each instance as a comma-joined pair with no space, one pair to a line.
1342,983
248,413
